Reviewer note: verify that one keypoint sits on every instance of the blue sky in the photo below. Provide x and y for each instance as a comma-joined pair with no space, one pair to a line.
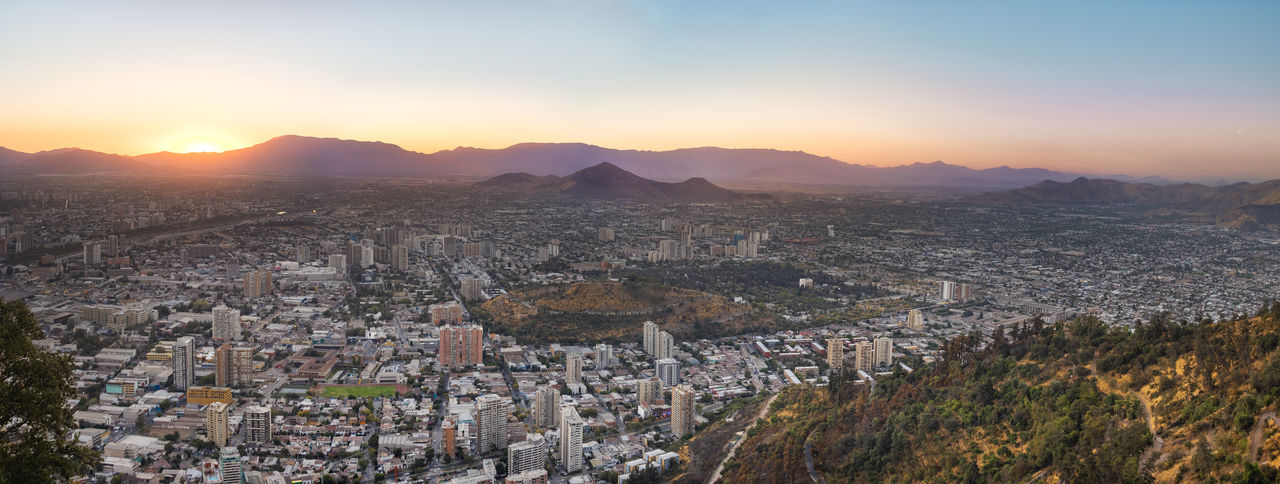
1172,88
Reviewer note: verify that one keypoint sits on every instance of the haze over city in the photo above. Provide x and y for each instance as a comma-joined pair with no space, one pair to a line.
1176,89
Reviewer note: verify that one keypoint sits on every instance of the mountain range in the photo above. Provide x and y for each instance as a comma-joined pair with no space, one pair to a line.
607,181
329,156
1240,204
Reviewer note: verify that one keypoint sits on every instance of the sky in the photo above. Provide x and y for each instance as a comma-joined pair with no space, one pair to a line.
1142,88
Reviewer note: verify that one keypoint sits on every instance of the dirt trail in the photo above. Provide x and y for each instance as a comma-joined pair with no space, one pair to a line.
1259,431
1157,443
715,476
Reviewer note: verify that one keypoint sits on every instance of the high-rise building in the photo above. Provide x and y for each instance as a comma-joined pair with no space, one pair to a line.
682,398
664,346
864,356
257,284
604,355
233,366
354,252
461,345
491,423
400,257
915,319
573,369
835,353
449,432
535,476
233,269
184,363
215,422
472,289
257,425
649,391
570,439
650,336
669,250
339,262
472,250
450,246
668,371
222,365
92,253
304,254
527,455
883,356
605,234
113,245
964,293
445,313
229,466
226,323
545,400
947,290
367,257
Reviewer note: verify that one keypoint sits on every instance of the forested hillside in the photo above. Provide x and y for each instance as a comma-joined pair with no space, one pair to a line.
1170,400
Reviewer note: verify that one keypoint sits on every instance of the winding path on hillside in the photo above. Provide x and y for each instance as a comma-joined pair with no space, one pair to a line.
1259,432
715,475
1157,443
808,461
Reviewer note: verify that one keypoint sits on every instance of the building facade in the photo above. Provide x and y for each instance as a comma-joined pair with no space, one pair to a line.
257,425
682,401
215,426
668,371
570,439
491,423
835,354
184,363
461,345
649,391
527,455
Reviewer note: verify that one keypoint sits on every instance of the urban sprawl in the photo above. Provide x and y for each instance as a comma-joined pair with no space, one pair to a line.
264,330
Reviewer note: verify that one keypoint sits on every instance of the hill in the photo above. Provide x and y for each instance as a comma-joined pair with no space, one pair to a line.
606,181
9,157
314,156
304,155
73,161
292,154
1171,400
1240,204
745,165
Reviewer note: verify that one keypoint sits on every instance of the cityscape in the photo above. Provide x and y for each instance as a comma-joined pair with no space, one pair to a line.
425,293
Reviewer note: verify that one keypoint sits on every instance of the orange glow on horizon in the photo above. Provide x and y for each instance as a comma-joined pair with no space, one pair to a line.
198,143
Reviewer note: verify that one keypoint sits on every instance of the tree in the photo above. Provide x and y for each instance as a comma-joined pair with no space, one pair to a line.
36,444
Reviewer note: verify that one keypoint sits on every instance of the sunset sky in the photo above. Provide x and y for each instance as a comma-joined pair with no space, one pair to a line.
1141,88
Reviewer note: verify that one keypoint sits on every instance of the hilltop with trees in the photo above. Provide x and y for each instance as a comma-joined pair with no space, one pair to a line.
1170,400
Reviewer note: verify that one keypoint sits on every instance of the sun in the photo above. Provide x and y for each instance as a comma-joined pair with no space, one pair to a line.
199,143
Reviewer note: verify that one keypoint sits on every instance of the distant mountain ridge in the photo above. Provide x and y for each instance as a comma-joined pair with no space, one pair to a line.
314,156
606,181
1239,204
292,154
